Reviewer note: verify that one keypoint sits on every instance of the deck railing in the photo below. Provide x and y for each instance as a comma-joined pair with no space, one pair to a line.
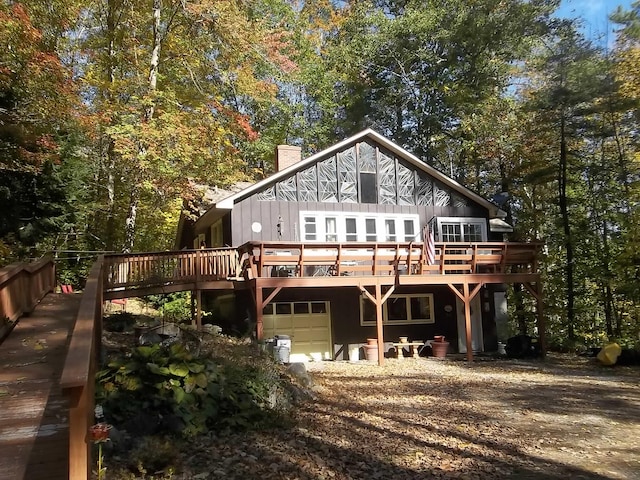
294,259
22,286
78,376
141,270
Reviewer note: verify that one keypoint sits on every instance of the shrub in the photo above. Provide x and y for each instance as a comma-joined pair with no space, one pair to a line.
178,390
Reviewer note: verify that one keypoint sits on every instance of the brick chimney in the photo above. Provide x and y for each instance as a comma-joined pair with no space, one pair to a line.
287,155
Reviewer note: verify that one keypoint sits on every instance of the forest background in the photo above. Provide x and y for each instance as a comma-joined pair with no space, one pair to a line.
112,111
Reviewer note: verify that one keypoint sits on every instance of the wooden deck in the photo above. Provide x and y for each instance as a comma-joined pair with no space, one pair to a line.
34,436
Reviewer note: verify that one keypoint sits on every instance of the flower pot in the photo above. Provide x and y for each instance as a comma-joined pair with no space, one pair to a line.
372,341
371,352
439,349
404,339
438,338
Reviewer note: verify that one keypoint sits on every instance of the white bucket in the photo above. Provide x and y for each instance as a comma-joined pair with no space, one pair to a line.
354,354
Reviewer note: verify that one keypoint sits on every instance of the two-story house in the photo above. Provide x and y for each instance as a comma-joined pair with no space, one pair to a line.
360,240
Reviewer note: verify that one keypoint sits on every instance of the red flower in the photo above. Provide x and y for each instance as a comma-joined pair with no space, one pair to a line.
99,432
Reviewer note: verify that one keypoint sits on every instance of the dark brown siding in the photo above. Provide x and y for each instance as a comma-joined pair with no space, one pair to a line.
345,314
268,213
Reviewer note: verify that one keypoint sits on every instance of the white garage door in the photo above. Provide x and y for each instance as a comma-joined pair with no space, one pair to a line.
307,323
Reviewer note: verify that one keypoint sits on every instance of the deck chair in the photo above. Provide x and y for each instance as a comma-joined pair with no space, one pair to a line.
120,301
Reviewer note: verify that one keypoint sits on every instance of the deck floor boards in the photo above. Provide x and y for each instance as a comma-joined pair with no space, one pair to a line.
34,436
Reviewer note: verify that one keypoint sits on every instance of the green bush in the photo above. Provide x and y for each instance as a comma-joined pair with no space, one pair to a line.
175,307
200,392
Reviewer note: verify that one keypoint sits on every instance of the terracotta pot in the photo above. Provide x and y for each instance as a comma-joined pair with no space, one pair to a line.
439,349
372,341
371,352
438,338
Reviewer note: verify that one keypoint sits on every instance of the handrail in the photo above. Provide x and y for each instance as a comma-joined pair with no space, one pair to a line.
22,286
386,258
139,270
78,375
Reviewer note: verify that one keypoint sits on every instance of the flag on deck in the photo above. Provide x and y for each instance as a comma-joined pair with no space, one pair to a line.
428,245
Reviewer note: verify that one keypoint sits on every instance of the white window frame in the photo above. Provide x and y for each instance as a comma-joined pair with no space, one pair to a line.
216,234
304,223
461,221
198,240
381,220
408,321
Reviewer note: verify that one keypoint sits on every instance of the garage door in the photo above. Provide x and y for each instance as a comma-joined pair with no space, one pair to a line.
307,323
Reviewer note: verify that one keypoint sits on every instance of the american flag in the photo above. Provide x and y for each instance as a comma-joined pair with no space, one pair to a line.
429,245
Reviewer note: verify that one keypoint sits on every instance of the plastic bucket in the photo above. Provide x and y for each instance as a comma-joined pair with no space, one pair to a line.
281,353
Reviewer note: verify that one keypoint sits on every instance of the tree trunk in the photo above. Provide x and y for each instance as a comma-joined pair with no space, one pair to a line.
564,213
155,56
130,222
110,164
522,318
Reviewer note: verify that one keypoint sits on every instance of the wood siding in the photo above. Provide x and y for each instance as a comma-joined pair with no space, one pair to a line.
268,213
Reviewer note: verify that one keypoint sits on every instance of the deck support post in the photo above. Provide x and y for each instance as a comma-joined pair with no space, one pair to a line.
378,300
259,314
198,309
379,328
466,296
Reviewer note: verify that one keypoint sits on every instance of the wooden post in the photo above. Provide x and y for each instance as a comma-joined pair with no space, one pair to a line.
467,321
198,309
378,300
466,297
379,324
79,423
259,309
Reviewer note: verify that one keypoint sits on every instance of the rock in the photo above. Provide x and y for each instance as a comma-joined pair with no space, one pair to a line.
149,338
299,372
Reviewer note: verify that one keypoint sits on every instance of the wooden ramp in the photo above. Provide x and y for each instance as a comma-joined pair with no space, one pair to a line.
34,432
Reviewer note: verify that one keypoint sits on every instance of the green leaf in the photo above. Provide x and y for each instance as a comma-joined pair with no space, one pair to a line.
196,367
201,380
178,394
179,369
153,368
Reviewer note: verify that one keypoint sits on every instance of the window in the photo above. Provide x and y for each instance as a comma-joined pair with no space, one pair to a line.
310,229
399,310
472,232
198,241
390,230
358,227
368,191
216,234
331,232
409,231
454,229
351,232
318,307
370,229
300,308
283,309
451,233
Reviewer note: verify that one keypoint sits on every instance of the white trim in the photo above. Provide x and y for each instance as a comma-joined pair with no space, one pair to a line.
462,221
409,320
381,221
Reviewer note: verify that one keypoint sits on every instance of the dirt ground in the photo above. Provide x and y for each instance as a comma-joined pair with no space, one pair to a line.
565,418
